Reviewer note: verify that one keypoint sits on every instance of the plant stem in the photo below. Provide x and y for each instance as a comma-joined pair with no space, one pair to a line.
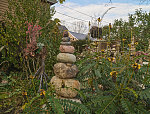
130,78
29,66
33,64
34,87
37,63
109,103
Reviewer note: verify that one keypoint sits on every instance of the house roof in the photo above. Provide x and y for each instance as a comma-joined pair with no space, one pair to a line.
62,28
51,1
79,36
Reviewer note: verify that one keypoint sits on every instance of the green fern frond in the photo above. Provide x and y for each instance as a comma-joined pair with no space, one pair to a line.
145,94
140,109
56,106
86,68
98,100
132,91
107,106
127,106
70,105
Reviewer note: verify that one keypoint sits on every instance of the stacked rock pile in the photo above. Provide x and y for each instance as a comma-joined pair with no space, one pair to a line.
65,70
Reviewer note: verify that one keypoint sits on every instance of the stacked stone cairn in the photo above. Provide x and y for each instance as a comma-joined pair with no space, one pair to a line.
65,71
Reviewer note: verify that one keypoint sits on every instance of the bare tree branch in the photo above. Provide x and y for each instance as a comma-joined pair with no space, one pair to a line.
79,27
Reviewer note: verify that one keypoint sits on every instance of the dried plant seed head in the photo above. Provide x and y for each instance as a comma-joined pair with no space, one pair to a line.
110,26
114,75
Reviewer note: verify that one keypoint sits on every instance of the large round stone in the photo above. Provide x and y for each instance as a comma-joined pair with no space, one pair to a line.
63,70
65,39
66,58
65,43
65,87
66,49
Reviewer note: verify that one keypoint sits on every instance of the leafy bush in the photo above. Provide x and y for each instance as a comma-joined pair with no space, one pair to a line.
16,39
26,27
137,26
120,87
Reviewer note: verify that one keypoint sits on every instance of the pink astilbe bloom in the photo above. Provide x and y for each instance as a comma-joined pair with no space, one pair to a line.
32,34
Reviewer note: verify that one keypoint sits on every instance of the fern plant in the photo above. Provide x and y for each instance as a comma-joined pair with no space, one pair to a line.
110,87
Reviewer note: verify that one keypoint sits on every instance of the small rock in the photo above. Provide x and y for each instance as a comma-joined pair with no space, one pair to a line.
66,58
66,49
65,87
69,64
65,43
63,70
65,39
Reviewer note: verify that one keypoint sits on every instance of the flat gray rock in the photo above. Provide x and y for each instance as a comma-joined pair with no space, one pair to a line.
65,43
66,58
65,39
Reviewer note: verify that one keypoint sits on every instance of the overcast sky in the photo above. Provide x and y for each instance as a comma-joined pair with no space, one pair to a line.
96,8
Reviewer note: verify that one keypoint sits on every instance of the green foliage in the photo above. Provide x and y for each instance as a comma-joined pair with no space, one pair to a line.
73,106
80,45
11,93
138,24
13,36
104,93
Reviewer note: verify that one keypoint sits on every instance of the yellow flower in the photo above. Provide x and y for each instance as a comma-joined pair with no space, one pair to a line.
99,19
111,59
42,92
129,45
102,50
139,66
123,39
24,93
32,77
136,66
136,43
114,73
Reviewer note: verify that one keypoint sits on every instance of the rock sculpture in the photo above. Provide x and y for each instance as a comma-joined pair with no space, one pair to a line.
65,71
